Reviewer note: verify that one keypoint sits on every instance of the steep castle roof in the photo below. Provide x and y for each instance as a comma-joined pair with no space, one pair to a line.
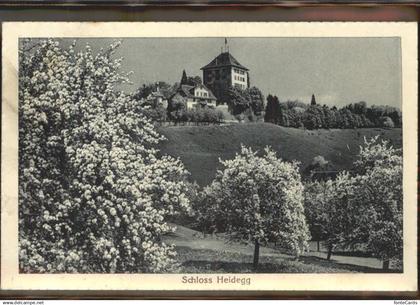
223,60
188,91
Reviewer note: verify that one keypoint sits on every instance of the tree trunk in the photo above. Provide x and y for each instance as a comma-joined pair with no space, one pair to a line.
330,247
256,254
385,264
317,245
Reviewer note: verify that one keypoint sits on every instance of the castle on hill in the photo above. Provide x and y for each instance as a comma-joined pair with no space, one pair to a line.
222,73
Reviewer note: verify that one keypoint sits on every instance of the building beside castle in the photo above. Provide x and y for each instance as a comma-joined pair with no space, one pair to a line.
154,99
197,95
224,72
194,94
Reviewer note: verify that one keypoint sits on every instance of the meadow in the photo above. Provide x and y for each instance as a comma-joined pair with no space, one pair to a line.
200,147
197,253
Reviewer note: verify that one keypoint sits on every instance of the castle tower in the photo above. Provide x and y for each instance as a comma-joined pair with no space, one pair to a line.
223,72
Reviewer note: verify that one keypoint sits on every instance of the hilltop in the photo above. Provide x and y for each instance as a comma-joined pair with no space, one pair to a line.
200,147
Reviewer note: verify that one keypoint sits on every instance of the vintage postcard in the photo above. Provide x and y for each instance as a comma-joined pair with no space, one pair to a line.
209,156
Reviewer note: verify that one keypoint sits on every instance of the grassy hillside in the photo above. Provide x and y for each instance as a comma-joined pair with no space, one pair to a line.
200,147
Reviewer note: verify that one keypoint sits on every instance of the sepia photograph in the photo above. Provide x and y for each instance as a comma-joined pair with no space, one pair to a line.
212,158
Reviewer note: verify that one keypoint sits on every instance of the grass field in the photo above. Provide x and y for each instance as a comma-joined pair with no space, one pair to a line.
198,254
200,147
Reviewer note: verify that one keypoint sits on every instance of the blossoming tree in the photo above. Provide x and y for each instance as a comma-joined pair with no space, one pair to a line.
260,198
93,195
317,196
332,210
364,208
380,190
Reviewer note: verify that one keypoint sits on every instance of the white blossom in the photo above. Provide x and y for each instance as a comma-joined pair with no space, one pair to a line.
92,190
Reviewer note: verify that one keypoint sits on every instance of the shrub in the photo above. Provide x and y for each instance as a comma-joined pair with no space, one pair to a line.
204,115
387,122
157,114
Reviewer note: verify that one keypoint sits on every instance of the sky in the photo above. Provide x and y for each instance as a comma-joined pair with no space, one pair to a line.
338,71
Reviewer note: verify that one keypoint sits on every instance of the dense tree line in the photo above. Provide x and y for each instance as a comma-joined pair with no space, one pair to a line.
358,115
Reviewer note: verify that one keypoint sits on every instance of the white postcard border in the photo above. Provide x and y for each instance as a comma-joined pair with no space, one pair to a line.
12,31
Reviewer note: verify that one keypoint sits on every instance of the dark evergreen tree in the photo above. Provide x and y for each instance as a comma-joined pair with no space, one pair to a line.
184,79
313,101
269,110
277,110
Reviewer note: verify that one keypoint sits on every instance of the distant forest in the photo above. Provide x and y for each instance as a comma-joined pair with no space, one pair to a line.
358,115
249,105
